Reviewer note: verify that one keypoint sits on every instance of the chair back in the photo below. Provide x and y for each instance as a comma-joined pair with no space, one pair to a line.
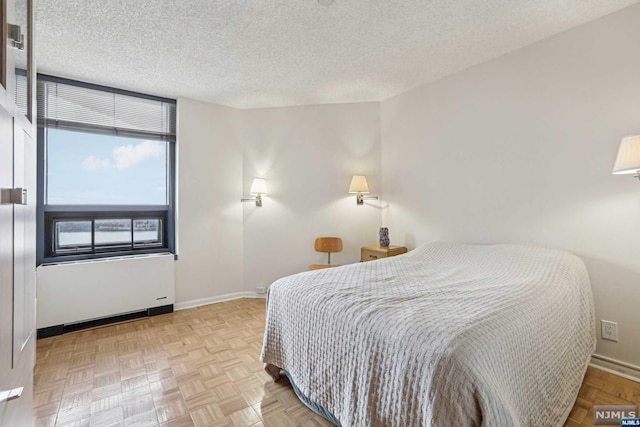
328,244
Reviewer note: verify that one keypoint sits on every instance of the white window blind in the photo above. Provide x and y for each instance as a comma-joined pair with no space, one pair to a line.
104,110
21,92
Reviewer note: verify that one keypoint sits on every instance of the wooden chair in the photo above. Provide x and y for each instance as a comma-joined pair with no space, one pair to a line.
329,245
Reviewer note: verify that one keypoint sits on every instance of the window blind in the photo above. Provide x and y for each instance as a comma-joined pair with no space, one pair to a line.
78,106
21,91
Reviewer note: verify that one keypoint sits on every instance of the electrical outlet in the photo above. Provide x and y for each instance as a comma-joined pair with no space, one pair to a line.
261,290
609,330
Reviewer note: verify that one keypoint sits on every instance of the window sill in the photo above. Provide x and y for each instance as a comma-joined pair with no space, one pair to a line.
112,256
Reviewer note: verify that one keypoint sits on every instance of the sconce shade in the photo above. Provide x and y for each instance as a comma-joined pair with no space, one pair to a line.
359,184
258,186
628,160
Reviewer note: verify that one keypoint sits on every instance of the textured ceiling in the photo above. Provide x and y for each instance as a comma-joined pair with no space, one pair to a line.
259,53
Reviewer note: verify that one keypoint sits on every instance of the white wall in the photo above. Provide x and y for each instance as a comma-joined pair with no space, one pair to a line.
520,149
209,211
308,155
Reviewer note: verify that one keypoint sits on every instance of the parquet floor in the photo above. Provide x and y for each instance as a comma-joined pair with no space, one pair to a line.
601,388
199,367
192,367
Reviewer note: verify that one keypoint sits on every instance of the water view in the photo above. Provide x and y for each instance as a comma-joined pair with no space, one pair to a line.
107,232
105,237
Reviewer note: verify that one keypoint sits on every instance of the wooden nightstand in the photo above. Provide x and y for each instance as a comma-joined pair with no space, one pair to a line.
373,252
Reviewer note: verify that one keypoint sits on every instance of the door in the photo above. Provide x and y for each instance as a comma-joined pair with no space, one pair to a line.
17,213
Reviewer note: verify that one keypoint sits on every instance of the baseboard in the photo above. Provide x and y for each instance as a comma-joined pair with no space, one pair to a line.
212,300
616,367
52,331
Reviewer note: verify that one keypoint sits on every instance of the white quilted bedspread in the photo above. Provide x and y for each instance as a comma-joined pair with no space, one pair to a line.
446,335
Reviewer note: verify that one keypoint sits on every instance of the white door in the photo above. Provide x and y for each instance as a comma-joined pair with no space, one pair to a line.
17,214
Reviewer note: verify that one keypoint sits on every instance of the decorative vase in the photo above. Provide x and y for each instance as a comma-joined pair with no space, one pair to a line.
384,237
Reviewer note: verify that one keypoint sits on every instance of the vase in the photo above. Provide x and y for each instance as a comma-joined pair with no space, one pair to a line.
384,237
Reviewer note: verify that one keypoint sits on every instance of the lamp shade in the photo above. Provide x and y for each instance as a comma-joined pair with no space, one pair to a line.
628,160
359,184
258,186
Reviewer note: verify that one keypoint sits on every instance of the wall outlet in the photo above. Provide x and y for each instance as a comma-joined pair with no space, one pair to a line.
261,290
609,330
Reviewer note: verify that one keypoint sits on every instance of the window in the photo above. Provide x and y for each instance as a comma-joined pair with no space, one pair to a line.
106,171
91,169
73,236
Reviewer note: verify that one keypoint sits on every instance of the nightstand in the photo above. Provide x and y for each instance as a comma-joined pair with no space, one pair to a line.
373,252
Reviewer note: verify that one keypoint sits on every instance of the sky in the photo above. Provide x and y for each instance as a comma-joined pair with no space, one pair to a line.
91,169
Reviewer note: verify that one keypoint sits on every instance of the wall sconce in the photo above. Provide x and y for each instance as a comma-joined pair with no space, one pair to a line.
359,187
628,159
258,188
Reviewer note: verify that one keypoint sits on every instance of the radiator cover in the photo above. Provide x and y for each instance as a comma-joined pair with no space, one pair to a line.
86,290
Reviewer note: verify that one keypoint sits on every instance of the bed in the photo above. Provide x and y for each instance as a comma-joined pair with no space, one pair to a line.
445,335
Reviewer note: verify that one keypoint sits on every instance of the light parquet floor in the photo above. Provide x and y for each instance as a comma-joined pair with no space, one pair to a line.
199,367
196,367
601,388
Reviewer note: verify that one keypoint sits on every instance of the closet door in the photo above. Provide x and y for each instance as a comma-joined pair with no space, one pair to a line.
8,378
17,213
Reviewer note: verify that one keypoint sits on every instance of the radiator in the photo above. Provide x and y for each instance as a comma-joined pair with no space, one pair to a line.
86,290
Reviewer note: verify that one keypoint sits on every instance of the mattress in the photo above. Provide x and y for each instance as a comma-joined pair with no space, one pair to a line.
447,334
